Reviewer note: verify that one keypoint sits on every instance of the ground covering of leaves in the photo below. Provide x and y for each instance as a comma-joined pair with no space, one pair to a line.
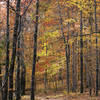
63,96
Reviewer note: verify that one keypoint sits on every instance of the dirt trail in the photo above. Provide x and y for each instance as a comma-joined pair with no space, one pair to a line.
43,98
63,97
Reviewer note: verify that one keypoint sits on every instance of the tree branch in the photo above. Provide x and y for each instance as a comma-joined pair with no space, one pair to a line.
27,8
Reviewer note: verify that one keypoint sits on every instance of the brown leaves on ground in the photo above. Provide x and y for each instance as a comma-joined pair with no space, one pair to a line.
72,96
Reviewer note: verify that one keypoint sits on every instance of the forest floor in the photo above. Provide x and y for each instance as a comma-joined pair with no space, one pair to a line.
72,96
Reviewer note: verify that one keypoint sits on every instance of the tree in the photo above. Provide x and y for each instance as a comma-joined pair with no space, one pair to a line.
66,46
97,64
34,52
5,90
18,83
81,53
74,63
90,47
13,56
23,67
68,53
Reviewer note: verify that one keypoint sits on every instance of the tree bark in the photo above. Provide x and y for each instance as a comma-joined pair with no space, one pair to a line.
15,35
68,55
1,92
81,53
35,52
90,50
18,96
74,69
23,77
5,90
97,64
23,67
45,81
74,58
66,47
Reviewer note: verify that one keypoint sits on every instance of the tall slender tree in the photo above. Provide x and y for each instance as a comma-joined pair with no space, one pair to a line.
97,64
15,35
90,47
35,52
68,53
66,45
23,67
5,90
74,63
1,92
81,53
74,69
45,73
18,84
23,75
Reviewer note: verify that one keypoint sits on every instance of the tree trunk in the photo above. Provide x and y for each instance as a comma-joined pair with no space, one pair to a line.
14,50
74,58
68,54
5,90
74,69
97,64
45,81
34,52
66,47
18,96
81,53
23,67
45,73
23,77
90,50
1,92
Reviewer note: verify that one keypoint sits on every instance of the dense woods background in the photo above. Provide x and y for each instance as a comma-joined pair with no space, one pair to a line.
49,47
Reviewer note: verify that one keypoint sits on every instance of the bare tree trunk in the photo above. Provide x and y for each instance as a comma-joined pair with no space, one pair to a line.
23,77
45,81
74,70
5,90
97,64
90,50
35,52
81,53
23,68
14,50
74,58
1,92
66,47
45,74
68,55
18,90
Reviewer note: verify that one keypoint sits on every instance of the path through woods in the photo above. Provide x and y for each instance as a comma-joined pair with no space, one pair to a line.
64,97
